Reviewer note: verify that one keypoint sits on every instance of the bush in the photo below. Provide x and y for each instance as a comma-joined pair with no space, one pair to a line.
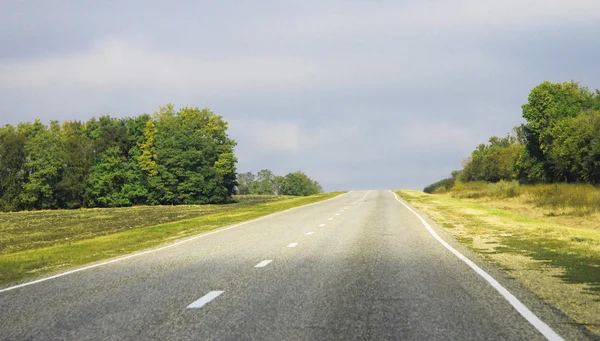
579,198
441,186
504,189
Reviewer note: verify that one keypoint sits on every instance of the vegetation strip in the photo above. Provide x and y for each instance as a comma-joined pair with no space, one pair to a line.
558,263
23,264
535,321
23,231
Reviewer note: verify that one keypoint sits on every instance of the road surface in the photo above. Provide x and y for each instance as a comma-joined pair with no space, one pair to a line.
358,267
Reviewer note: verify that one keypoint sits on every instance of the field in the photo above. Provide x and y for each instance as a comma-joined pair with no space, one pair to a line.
34,243
36,229
549,244
551,200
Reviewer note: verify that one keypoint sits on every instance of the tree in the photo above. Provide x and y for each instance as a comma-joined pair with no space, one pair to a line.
264,183
575,153
196,163
114,181
105,133
78,161
278,182
494,161
548,103
299,184
148,158
183,157
244,181
44,166
12,167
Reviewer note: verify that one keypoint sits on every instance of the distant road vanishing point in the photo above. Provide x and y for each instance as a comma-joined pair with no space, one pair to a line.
361,266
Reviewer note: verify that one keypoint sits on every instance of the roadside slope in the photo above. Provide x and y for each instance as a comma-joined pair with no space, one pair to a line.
560,264
22,265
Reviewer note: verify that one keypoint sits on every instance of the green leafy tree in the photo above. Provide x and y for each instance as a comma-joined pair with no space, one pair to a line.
575,153
148,158
105,133
494,161
196,163
264,183
12,167
114,181
78,161
548,103
278,182
244,181
171,158
44,166
299,184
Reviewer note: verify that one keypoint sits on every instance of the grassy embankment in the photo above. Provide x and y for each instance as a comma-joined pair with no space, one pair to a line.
546,236
34,243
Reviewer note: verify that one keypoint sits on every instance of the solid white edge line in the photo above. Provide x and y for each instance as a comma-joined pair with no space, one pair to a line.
199,303
263,263
292,245
540,325
163,247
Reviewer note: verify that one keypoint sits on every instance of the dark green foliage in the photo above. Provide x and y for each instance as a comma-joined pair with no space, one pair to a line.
44,165
180,157
265,182
244,181
195,157
298,183
12,167
78,152
443,185
549,105
494,161
446,184
115,181
574,155
560,142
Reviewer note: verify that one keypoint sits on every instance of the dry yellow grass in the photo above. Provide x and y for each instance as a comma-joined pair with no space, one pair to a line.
555,256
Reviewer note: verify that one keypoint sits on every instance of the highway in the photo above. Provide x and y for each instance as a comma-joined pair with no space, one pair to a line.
360,266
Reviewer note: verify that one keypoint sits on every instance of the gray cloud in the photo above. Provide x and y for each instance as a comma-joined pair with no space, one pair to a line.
359,94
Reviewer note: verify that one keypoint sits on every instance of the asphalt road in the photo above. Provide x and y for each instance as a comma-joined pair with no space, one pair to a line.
363,268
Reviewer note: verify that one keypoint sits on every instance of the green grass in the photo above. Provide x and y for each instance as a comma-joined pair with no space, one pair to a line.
36,229
572,199
45,241
560,262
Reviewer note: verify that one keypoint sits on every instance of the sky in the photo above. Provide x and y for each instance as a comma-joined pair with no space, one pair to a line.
358,94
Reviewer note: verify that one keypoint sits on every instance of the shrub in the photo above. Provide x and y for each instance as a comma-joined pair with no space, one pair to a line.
504,189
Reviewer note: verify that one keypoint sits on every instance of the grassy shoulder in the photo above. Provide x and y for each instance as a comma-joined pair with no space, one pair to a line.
28,230
557,260
107,240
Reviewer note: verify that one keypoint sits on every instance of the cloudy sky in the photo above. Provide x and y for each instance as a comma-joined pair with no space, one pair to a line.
358,94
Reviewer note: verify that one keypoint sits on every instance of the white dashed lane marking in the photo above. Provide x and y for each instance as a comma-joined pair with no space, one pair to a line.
293,245
204,299
308,233
263,263
322,225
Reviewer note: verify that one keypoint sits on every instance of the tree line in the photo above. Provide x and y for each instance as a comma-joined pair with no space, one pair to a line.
265,182
170,157
559,142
